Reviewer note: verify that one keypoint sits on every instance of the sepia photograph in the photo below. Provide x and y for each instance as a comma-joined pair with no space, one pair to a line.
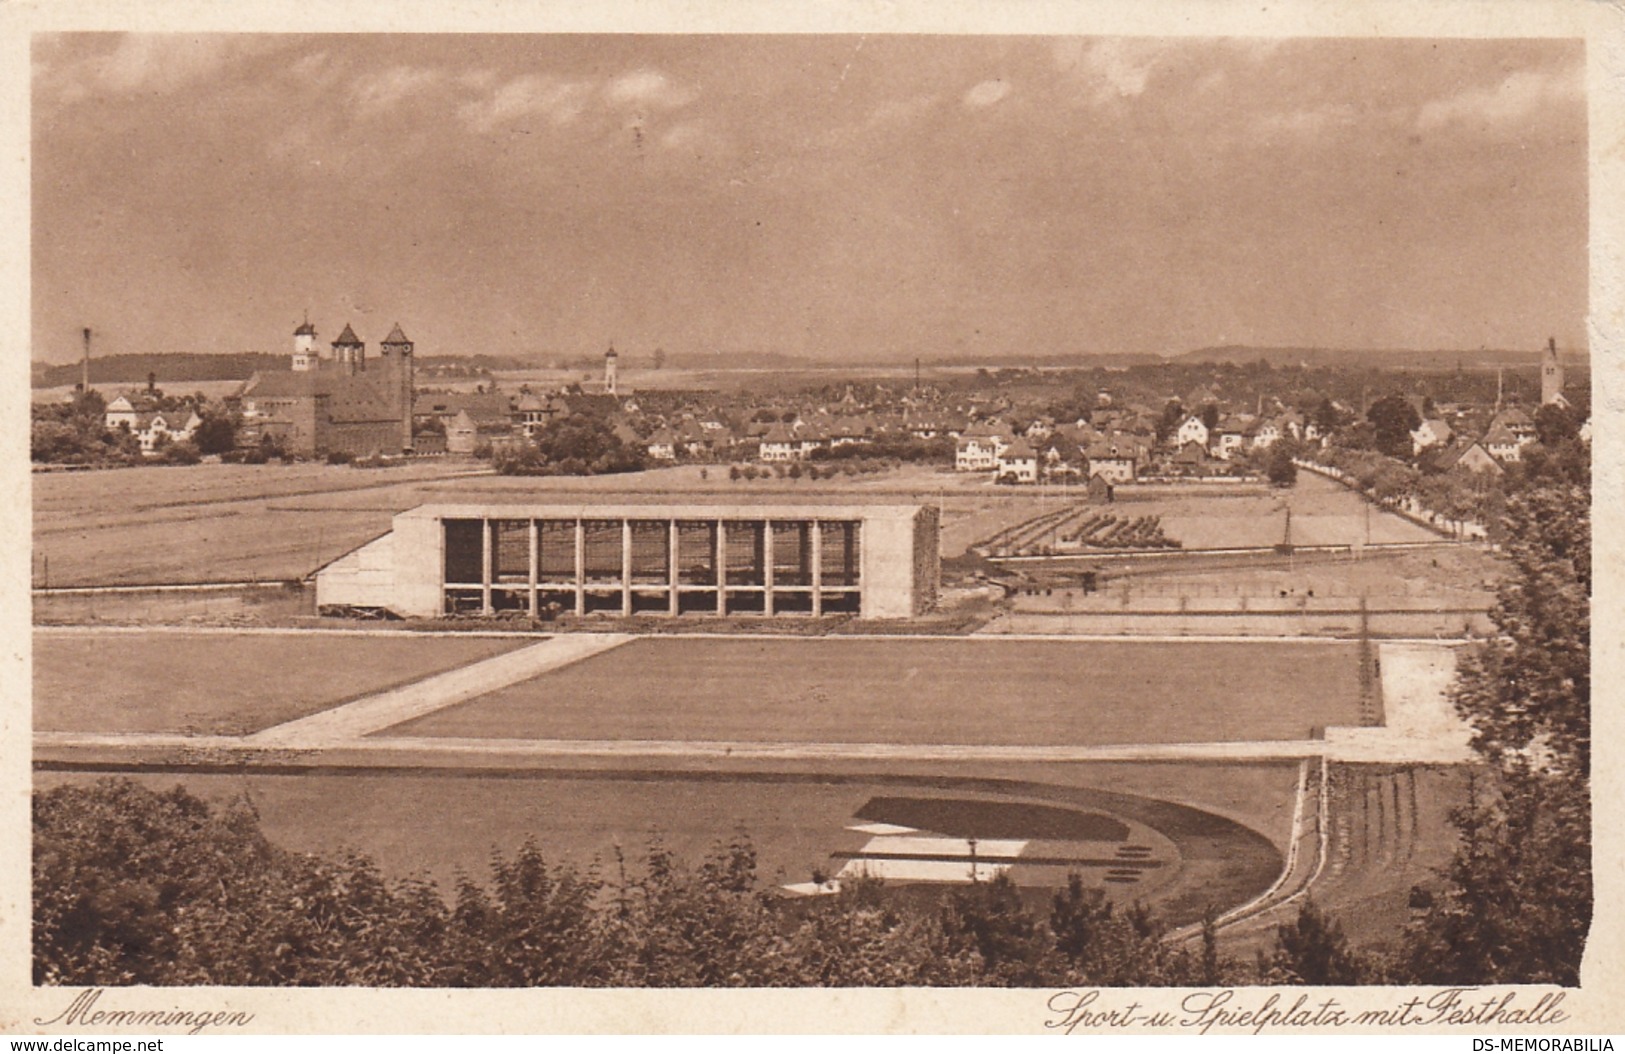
1077,514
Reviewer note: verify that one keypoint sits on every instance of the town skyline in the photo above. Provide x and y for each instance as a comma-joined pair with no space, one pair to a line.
835,198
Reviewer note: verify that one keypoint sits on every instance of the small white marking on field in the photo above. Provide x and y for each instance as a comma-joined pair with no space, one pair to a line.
926,845
881,828
922,870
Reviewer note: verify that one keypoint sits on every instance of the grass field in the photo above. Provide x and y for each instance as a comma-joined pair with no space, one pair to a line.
440,825
225,684
212,523
924,691
1224,517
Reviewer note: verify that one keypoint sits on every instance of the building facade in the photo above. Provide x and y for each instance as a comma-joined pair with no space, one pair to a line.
337,402
873,561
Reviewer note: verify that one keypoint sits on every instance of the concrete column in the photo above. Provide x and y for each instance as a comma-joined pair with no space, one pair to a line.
674,545
532,602
581,568
487,545
767,567
626,568
722,567
817,570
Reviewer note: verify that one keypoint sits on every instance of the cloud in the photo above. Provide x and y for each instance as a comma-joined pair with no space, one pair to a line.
1111,68
648,87
1520,96
374,93
155,63
987,93
530,95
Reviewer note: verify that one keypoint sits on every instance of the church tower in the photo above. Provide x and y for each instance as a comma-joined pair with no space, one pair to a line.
349,352
1551,376
396,352
609,370
304,346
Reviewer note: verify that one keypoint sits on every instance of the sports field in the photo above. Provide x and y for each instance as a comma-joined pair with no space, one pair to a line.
1104,821
972,691
225,683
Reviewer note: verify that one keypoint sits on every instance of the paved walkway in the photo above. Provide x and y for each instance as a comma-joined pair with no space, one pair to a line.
1419,723
376,712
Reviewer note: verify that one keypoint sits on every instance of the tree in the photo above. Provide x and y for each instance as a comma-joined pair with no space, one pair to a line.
1517,903
216,433
1394,419
1311,949
1327,419
1555,424
1281,469
1172,414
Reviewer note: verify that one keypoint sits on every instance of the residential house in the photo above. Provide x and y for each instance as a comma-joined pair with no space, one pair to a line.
1018,461
1114,459
1501,444
1432,432
779,443
979,447
1229,436
662,445
1519,424
157,428
1059,456
1191,430
123,410
1462,452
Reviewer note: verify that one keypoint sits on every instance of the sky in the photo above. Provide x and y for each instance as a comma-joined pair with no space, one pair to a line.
847,198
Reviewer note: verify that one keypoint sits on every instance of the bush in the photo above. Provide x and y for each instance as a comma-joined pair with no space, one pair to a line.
181,453
339,457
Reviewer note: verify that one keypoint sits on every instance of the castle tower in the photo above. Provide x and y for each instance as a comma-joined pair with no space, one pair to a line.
609,370
304,346
1551,375
349,352
396,352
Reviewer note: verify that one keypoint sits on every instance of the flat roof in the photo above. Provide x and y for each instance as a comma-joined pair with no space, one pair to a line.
660,511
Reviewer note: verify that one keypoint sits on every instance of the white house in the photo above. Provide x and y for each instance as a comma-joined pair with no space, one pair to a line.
1192,430
1111,462
1265,434
1502,444
1432,432
979,447
1018,460
779,444
1229,437
177,425
662,446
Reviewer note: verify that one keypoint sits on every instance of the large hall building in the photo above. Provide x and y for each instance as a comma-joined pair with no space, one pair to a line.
872,561
335,400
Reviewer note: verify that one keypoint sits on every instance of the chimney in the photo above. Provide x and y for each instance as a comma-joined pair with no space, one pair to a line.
152,382
84,368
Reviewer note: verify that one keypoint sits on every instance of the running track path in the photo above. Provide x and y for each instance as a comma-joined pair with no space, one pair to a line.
375,712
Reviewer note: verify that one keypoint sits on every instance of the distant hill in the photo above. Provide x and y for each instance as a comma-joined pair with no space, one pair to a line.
171,369
1355,358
